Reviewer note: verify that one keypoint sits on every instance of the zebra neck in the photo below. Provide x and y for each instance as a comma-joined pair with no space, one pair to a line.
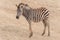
26,13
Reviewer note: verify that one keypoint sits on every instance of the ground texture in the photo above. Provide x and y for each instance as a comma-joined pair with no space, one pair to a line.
13,29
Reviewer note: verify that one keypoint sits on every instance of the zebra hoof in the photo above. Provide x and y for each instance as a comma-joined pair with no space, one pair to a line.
43,34
48,34
31,34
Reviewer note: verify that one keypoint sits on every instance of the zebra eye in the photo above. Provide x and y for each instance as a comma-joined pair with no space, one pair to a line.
21,6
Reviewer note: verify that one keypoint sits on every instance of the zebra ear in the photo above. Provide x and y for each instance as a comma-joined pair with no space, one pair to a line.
16,5
26,4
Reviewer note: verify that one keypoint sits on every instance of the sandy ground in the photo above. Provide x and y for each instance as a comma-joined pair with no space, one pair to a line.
13,29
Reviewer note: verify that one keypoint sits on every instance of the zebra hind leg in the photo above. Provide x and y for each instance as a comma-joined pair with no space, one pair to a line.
46,24
48,29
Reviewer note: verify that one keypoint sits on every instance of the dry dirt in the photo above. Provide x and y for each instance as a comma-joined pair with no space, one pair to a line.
13,29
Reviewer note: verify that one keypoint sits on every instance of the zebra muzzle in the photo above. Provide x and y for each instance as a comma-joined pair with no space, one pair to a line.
17,17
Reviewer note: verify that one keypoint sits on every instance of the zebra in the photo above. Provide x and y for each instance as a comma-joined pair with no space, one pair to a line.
34,15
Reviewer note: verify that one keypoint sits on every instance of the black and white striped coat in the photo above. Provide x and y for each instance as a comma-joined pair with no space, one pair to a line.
35,15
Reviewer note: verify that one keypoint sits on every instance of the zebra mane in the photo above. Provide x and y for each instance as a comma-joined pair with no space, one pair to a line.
21,4
26,5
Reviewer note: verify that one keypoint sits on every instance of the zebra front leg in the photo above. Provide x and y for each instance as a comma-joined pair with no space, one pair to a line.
31,33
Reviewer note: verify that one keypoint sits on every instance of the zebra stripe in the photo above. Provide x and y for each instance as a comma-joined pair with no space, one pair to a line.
39,14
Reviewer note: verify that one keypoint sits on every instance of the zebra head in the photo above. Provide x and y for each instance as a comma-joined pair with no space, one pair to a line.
20,9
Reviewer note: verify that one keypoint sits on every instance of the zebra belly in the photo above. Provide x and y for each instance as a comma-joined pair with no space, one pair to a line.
36,18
